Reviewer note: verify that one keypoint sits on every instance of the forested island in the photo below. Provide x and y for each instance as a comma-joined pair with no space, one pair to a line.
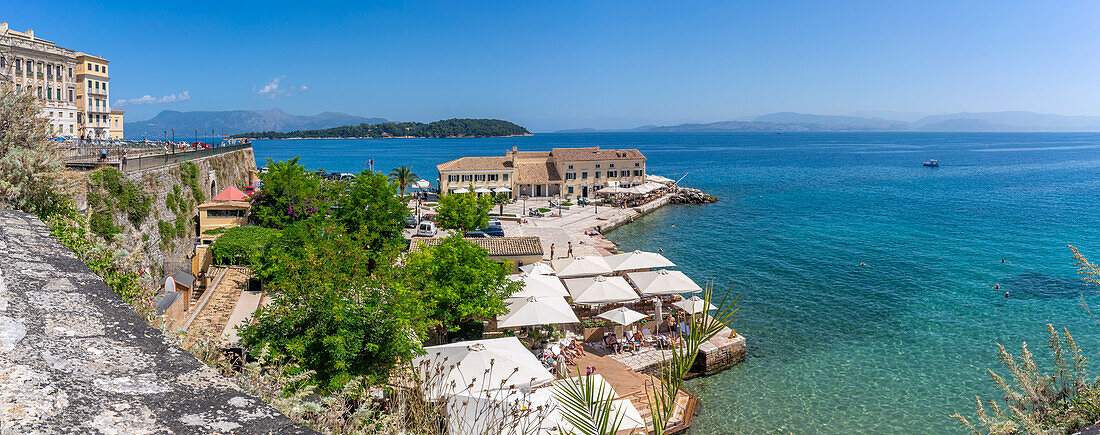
448,128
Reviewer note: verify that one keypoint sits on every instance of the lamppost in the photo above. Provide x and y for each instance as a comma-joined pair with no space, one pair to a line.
559,197
524,203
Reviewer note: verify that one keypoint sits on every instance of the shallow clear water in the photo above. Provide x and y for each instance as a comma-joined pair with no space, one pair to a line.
834,347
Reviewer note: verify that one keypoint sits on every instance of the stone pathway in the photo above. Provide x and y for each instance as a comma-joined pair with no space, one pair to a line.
214,315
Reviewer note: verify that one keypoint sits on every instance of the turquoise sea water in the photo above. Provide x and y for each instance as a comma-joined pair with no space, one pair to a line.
833,347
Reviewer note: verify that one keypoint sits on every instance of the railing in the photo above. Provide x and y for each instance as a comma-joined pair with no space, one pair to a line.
138,157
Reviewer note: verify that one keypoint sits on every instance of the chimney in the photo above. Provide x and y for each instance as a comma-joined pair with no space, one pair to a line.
30,33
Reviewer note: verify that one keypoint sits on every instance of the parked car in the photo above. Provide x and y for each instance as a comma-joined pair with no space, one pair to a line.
493,231
427,229
410,221
494,222
476,235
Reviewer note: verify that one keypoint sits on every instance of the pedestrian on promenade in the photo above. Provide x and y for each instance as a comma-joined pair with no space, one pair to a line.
570,252
124,160
551,251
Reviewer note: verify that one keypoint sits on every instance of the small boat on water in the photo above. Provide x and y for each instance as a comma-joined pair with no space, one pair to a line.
932,163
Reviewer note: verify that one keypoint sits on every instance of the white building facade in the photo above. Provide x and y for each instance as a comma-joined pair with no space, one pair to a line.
47,71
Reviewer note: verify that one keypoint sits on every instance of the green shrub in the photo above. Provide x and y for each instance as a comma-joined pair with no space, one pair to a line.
189,175
544,210
102,224
566,204
121,194
241,245
167,231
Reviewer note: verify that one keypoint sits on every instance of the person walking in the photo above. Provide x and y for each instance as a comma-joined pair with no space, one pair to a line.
570,252
123,160
551,251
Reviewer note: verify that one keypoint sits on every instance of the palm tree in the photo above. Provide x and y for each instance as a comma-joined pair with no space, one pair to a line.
502,199
404,177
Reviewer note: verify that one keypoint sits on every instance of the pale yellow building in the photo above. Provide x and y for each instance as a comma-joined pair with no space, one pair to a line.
35,65
116,129
568,172
93,96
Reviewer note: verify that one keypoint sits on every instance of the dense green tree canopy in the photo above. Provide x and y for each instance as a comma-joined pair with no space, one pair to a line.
370,210
440,129
242,245
290,194
464,211
457,281
330,314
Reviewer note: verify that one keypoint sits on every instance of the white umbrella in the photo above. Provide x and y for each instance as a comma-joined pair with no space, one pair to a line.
638,260
663,282
481,365
630,417
600,290
461,190
482,189
502,189
613,190
658,179
581,266
622,315
537,268
695,305
533,311
538,285
423,184
505,412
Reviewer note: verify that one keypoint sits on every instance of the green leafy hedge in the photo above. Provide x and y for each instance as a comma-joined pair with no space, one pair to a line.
241,245
121,194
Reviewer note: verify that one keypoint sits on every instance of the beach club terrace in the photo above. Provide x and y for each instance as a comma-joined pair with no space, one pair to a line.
578,172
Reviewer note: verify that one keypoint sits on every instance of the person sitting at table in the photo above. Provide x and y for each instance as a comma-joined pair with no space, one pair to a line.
612,343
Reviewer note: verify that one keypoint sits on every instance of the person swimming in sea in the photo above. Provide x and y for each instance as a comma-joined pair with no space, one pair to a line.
863,264
1006,293
996,286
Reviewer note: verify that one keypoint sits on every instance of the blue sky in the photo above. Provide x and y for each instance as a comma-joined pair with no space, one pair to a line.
604,64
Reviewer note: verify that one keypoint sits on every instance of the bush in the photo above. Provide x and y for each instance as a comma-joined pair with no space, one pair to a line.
242,245
544,210
121,194
102,224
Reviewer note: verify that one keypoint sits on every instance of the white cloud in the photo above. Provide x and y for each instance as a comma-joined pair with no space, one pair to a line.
274,89
149,99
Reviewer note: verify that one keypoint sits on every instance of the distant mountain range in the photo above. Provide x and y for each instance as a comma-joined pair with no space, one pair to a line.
964,121
238,121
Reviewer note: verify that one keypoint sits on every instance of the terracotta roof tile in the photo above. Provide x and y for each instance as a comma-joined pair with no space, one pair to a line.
497,246
594,153
477,164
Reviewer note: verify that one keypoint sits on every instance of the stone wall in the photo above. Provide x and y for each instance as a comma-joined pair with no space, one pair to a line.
75,358
144,243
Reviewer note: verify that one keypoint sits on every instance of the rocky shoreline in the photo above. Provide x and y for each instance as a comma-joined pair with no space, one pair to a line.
687,195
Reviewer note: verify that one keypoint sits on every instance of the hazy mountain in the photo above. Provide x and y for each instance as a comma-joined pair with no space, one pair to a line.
985,121
891,115
1020,121
836,121
238,121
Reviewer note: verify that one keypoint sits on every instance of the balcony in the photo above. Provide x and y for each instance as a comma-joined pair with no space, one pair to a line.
95,91
39,75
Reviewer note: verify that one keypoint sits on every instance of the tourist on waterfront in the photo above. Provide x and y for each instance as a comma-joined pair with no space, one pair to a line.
569,254
575,348
123,160
612,343
551,251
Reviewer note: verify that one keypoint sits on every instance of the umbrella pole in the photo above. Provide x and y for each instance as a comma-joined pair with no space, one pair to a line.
657,312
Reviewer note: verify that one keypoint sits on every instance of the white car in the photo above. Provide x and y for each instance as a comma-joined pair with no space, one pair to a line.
427,229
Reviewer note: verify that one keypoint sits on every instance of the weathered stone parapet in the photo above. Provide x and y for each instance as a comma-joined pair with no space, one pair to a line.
75,358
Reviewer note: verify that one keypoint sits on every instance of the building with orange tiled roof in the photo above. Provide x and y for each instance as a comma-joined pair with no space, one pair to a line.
568,172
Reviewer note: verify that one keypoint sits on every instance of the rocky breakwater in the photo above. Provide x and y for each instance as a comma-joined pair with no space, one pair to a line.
687,195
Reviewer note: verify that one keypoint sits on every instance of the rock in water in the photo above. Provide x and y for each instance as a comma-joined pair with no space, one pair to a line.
687,195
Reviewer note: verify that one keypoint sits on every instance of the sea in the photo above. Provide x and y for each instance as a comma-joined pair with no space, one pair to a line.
834,347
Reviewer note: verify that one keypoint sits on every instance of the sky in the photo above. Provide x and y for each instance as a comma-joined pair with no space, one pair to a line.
552,65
